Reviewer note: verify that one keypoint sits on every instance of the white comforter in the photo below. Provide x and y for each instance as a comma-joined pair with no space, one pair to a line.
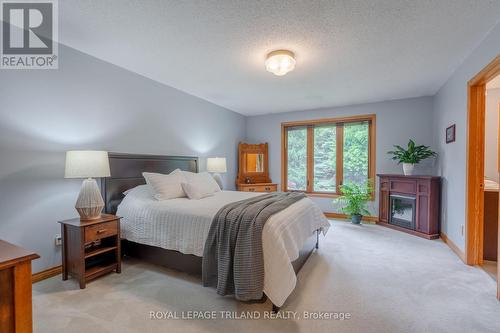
182,225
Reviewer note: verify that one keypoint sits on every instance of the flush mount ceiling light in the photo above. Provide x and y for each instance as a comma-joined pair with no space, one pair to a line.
280,62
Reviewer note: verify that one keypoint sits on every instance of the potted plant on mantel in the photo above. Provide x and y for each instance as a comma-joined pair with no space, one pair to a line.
354,198
411,156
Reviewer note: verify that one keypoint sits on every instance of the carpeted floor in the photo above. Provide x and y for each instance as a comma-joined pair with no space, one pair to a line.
385,280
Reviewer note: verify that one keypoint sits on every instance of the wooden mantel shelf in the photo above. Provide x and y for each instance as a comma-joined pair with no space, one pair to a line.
394,175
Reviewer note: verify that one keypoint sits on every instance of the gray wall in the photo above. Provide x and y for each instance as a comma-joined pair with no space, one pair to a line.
397,121
450,107
90,104
491,137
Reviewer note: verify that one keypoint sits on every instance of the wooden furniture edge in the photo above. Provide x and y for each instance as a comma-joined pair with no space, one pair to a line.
370,219
453,246
13,262
15,288
13,255
46,274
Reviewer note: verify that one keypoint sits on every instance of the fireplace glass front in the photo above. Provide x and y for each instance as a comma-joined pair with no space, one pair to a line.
402,211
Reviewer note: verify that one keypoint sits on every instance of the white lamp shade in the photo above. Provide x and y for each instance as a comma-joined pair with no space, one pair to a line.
216,164
87,164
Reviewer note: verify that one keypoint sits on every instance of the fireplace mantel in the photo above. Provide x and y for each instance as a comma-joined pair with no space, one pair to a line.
426,192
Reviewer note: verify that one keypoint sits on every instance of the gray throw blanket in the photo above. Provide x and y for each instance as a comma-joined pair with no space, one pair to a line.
233,260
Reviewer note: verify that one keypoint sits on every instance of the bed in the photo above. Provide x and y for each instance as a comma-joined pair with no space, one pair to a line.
171,233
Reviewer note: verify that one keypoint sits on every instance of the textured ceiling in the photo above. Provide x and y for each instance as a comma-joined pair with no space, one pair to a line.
348,52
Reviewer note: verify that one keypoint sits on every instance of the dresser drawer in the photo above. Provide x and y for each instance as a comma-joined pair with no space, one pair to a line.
269,188
259,188
102,230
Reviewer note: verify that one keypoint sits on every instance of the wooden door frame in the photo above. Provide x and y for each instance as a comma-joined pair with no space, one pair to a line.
476,111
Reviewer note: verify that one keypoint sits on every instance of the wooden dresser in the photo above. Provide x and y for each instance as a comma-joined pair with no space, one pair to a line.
253,168
410,204
90,248
15,288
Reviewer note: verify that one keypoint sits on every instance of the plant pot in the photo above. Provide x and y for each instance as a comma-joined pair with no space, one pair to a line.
356,219
408,169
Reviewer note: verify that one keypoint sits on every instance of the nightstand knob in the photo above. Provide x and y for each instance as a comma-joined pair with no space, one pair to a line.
100,231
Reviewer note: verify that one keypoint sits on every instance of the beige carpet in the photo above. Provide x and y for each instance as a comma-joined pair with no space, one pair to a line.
386,280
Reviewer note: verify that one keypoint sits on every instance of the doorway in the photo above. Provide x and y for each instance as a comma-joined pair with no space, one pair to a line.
491,178
476,117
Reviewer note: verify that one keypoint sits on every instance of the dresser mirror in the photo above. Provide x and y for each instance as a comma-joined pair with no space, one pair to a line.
253,164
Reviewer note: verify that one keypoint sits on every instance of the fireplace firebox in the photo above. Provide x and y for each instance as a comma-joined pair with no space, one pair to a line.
402,211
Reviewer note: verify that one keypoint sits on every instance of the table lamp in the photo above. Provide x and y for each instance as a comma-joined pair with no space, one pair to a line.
87,164
217,165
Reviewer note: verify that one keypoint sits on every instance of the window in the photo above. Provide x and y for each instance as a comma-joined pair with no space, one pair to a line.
320,155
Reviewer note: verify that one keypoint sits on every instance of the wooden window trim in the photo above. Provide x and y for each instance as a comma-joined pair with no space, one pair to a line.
309,124
339,154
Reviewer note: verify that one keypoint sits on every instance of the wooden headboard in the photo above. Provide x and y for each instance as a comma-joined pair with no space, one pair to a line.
127,169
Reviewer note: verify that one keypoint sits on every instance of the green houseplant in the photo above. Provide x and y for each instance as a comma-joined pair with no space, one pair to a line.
354,198
411,156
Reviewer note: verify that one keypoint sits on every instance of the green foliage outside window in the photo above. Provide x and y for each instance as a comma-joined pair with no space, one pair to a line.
355,156
297,159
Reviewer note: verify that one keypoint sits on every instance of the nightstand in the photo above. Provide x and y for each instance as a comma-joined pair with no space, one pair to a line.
90,248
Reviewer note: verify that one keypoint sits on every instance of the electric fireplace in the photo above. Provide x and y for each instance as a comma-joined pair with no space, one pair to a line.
410,204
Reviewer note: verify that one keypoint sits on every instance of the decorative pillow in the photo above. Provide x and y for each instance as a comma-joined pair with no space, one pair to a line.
197,190
166,186
208,181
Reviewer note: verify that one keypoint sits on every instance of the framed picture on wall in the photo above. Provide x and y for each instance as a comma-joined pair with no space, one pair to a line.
450,134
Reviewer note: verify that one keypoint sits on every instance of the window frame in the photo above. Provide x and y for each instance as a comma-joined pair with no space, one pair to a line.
339,122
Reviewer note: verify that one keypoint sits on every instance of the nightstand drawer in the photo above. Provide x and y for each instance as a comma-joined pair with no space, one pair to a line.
102,230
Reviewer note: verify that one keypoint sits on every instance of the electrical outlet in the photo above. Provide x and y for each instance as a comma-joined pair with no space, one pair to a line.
58,240
462,230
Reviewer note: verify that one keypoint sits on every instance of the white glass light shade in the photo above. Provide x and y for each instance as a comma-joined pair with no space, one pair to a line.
86,164
280,62
216,164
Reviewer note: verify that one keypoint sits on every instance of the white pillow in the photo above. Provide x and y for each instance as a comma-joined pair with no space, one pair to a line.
197,190
140,191
208,181
166,186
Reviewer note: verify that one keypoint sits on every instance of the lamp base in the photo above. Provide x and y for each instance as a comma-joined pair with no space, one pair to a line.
89,203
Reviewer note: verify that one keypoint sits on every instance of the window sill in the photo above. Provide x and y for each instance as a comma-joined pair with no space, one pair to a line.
323,195
316,194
